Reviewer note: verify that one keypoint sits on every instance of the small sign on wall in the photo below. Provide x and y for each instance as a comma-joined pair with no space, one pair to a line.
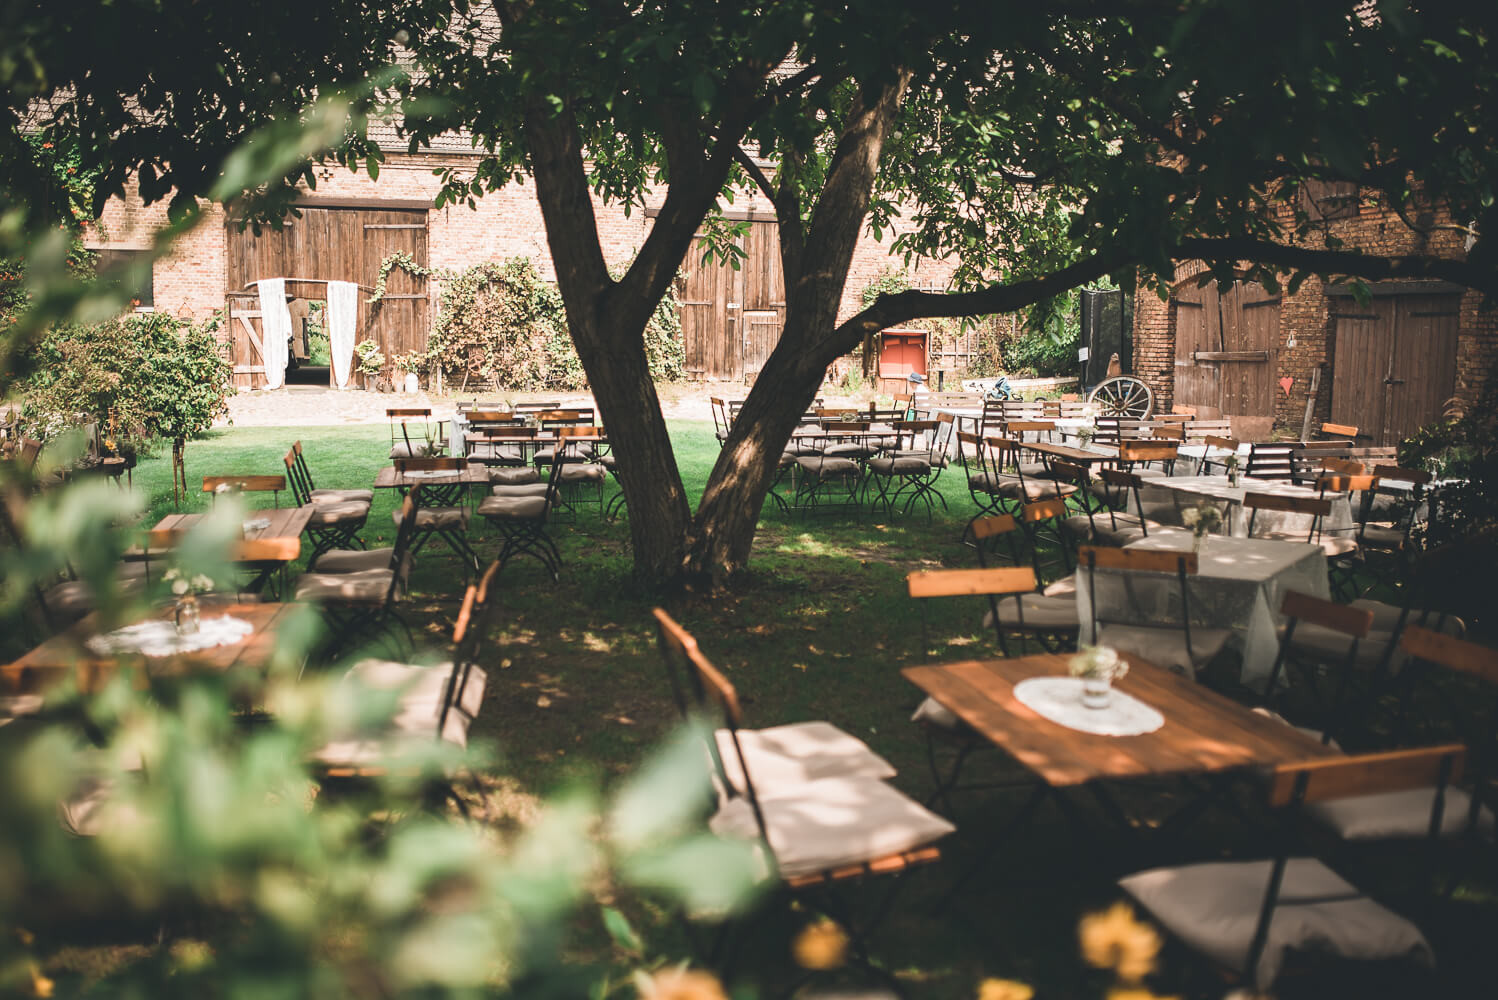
1083,353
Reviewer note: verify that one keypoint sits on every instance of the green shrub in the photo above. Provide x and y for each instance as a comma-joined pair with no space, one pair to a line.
146,371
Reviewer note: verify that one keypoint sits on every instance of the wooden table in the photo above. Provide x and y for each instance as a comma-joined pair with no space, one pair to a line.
1204,733
263,550
391,478
1102,454
55,659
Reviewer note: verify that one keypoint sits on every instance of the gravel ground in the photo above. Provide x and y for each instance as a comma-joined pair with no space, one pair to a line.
320,406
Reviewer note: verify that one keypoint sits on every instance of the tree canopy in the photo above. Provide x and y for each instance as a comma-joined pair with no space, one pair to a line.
1042,145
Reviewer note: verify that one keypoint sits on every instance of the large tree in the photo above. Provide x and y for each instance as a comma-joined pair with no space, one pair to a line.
1045,144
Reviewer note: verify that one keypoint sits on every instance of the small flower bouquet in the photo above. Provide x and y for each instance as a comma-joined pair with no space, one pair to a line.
1231,464
1098,667
1202,519
187,588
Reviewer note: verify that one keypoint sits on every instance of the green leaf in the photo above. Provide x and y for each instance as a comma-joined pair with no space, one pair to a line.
620,930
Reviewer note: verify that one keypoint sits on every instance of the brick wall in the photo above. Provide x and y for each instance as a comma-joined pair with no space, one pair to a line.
1306,317
189,282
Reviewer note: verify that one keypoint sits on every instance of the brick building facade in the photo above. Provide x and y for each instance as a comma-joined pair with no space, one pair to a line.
194,280
1386,366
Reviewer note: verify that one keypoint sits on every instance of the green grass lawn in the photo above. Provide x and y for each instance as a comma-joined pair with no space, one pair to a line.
817,628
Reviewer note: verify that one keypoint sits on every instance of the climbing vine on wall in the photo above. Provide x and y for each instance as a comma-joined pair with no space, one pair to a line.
500,318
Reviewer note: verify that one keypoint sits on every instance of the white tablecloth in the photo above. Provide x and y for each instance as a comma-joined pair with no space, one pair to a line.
1239,585
1184,491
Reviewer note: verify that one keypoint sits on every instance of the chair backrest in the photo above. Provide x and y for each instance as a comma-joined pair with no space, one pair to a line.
1119,488
1339,430
1353,623
1451,652
1349,483
1168,433
1327,778
701,691
1342,466
1271,460
995,526
1182,564
438,463
1133,452
1199,429
971,582
300,490
1394,473
1050,544
1316,508
475,617
245,484
720,418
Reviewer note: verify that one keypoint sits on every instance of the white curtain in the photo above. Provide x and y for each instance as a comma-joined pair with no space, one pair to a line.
343,314
275,329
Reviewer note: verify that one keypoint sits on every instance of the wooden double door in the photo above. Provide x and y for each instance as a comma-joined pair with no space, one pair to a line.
1226,344
1394,362
732,317
329,244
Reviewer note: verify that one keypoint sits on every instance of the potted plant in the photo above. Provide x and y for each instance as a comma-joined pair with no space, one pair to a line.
370,361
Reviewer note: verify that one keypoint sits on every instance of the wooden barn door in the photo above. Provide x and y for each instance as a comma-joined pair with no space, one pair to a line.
330,244
1394,363
398,323
731,319
706,292
1226,345
763,295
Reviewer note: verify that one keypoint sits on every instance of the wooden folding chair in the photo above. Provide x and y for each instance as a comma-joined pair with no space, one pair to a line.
1179,644
363,601
335,522
1319,633
443,509
1248,917
432,702
814,836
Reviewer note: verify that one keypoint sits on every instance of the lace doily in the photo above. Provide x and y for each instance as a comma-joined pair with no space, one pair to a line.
1059,699
432,474
160,638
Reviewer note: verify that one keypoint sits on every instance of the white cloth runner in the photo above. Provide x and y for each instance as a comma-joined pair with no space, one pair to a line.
343,316
160,638
275,328
1059,699
453,474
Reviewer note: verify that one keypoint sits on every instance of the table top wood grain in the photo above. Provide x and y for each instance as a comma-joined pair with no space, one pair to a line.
474,474
278,541
1204,732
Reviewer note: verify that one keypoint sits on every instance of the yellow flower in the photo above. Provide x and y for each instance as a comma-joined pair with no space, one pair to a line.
821,946
683,984
1136,993
1005,989
1115,939
41,986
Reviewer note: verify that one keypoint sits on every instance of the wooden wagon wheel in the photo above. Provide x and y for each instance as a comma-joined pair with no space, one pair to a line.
1123,396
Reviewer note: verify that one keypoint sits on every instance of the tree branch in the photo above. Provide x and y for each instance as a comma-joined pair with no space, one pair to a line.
1337,262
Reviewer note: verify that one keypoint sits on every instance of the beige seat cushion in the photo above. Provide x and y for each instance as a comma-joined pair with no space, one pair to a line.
818,466
340,512
1386,618
522,507
1214,908
514,476
1039,612
436,518
519,490
583,472
1383,537
72,599
1165,646
1399,815
364,587
1321,644
797,753
339,496
826,824
909,465
1032,490
353,560
1316,734
422,689
933,713
1064,587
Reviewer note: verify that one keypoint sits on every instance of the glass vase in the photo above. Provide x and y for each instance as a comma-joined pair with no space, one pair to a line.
187,616
1097,690
1199,543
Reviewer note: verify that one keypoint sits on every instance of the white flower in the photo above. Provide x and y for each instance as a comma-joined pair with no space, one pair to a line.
1190,516
179,586
1097,661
